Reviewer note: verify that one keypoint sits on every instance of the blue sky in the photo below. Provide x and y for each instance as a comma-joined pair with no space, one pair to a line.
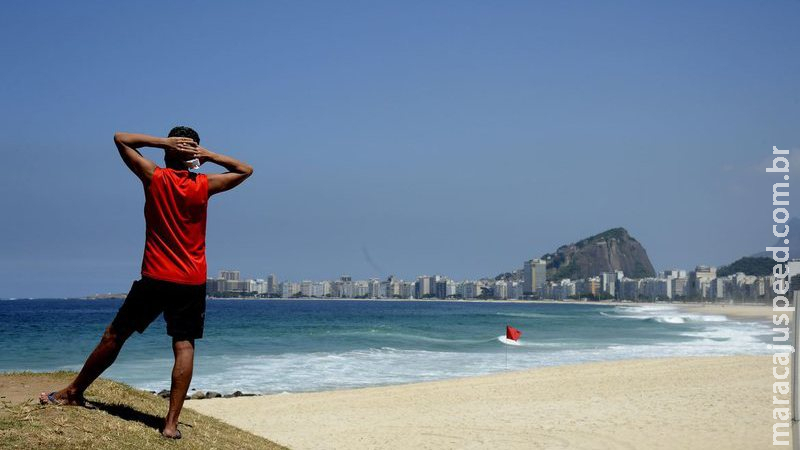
457,138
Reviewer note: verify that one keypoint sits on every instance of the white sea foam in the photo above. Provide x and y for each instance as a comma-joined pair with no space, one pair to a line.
297,372
506,341
413,357
416,337
528,315
661,314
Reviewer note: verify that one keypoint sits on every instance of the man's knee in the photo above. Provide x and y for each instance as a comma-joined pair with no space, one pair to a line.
115,335
183,345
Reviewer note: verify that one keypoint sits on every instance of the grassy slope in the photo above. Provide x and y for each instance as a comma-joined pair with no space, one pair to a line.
126,419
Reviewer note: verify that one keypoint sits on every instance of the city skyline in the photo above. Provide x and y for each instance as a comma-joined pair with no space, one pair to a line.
539,271
529,282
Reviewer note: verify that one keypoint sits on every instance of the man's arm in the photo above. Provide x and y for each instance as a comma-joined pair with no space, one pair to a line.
219,182
129,143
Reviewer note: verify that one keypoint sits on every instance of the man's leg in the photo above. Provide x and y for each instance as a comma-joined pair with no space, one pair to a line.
98,361
181,378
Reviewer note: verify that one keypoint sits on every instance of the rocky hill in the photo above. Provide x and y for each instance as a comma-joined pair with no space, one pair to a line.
794,241
608,251
758,266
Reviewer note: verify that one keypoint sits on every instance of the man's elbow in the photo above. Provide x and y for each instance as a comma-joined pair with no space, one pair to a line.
248,170
119,137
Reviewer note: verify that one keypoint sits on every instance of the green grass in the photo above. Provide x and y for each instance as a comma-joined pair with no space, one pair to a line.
126,418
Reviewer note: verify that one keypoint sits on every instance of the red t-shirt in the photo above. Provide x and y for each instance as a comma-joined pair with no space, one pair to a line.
175,212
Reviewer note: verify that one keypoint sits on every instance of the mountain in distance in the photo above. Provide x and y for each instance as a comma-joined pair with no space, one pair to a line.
794,241
761,263
749,265
608,251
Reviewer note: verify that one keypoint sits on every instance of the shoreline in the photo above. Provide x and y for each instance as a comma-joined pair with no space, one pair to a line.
747,312
642,403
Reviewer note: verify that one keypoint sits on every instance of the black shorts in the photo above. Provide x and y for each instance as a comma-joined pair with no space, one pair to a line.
183,305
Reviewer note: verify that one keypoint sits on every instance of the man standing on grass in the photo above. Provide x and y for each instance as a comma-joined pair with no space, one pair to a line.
174,263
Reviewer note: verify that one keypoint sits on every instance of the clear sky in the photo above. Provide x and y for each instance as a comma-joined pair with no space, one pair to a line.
449,137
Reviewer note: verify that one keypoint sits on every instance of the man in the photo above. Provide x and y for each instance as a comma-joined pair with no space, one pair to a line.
174,263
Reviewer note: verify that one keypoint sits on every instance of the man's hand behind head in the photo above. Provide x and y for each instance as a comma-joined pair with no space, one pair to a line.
181,147
219,182
203,154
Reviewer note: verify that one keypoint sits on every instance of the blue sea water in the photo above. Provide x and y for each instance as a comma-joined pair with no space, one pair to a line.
271,346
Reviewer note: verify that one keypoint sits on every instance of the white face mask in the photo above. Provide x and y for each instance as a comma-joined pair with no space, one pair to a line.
192,164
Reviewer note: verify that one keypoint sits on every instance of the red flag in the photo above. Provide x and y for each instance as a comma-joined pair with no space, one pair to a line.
512,333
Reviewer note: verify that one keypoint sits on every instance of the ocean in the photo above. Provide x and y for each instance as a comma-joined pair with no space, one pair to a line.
274,346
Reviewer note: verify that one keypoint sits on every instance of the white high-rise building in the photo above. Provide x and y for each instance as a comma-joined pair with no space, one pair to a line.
272,284
360,289
306,287
450,290
471,289
346,287
609,283
700,281
261,287
423,287
501,289
320,289
392,288
534,275
655,288
679,286
407,289
229,275
375,290
629,289
289,289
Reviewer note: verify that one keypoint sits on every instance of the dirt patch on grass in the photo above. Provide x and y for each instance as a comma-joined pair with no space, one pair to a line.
126,418
18,388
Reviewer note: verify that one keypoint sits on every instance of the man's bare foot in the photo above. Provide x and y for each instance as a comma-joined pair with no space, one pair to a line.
62,398
171,432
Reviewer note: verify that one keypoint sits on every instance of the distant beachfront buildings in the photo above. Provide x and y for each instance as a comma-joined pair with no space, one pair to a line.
529,282
699,284
534,275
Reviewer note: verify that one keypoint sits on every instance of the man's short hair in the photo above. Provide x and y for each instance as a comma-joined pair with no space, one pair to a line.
184,132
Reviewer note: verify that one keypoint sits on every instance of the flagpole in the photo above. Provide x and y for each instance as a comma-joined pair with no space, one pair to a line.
512,334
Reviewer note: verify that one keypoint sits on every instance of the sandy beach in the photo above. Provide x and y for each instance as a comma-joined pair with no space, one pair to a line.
751,312
681,403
